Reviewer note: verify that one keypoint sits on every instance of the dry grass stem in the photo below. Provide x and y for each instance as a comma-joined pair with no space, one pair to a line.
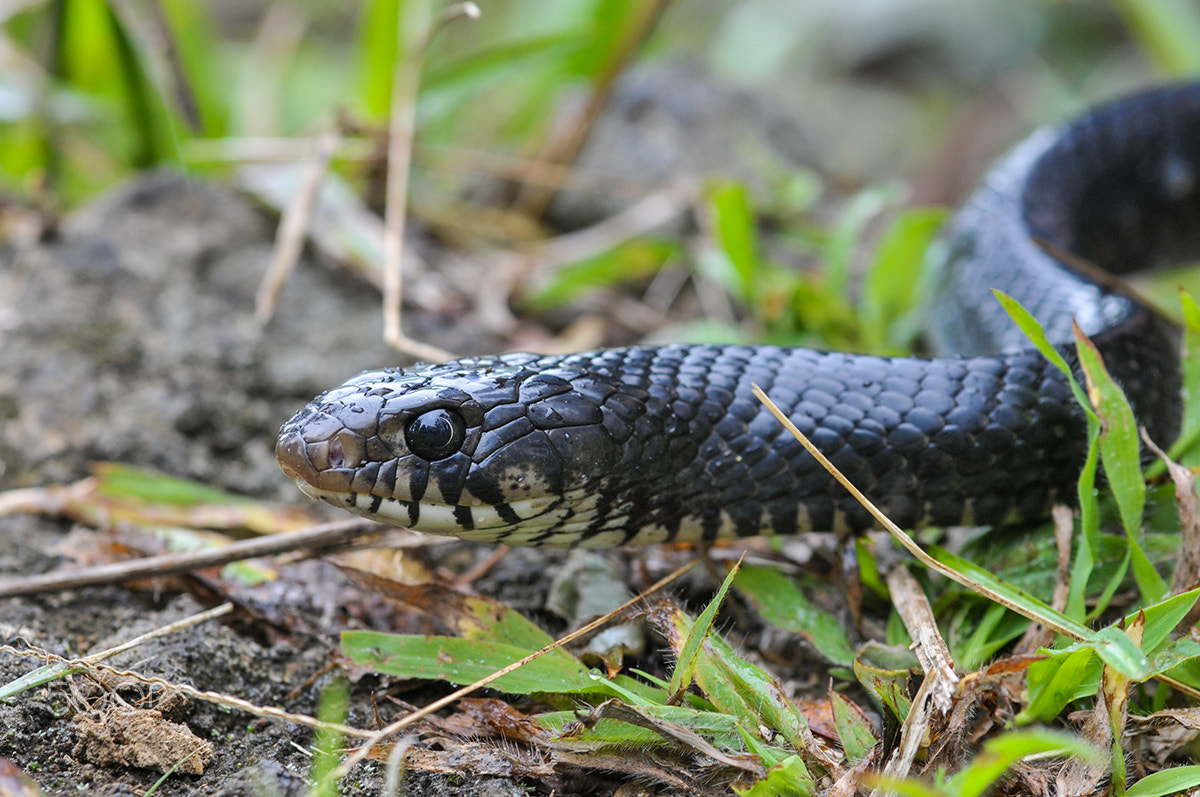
293,226
317,540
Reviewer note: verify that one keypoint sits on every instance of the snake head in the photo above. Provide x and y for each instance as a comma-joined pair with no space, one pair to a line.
483,448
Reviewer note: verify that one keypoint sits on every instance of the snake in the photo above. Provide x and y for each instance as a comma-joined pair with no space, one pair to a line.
650,444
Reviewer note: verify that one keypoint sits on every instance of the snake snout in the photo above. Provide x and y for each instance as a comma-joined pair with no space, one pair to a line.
291,456
312,449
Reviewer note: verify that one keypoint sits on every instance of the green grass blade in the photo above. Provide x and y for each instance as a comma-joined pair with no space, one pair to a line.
1163,617
490,62
722,730
1037,335
1185,450
735,686
847,232
1168,30
892,283
1000,753
1120,449
116,480
736,232
39,677
984,636
327,755
1028,603
685,666
634,260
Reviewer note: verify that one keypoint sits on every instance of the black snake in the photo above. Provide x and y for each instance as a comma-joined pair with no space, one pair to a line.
647,444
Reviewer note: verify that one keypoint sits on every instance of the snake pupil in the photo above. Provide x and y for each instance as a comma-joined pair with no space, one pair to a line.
435,434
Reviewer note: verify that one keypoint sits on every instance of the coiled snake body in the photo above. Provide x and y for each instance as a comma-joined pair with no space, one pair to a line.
647,444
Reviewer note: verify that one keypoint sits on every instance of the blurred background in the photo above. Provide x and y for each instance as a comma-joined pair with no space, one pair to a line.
787,135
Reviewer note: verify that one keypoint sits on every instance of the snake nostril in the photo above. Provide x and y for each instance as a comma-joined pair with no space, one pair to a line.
336,453
347,449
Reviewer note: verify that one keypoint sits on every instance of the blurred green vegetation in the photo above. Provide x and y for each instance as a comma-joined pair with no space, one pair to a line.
92,91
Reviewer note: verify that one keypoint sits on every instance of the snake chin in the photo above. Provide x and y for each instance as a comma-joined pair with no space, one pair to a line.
523,523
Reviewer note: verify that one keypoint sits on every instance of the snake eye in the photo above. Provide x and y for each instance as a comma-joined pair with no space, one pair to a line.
435,434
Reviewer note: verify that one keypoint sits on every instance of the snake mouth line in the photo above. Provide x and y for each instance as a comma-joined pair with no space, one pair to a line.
482,523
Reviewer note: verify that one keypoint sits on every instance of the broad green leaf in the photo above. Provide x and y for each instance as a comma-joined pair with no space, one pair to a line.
1120,652
487,620
1073,672
1176,654
1187,672
1166,781
1162,617
776,597
788,777
886,680
855,733
174,508
464,661
1057,680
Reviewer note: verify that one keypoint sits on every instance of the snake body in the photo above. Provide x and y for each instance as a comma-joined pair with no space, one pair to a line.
648,444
